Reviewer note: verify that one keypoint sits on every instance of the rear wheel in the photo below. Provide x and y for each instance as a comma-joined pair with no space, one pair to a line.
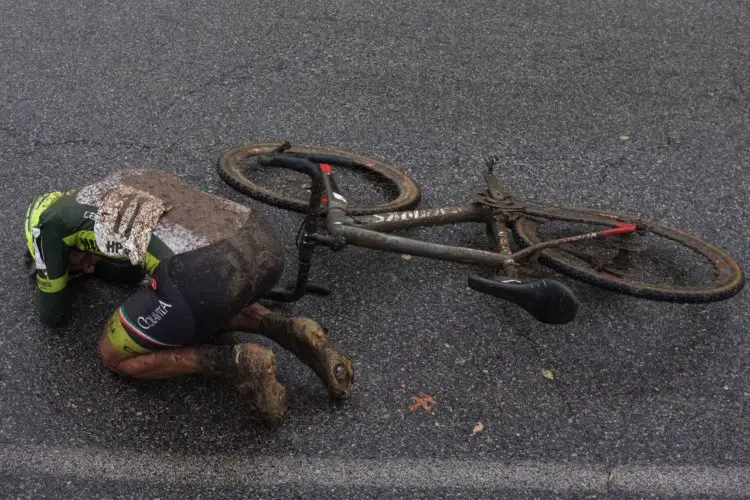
370,186
659,263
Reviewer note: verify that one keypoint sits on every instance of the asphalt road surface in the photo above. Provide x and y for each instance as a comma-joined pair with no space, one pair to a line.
639,106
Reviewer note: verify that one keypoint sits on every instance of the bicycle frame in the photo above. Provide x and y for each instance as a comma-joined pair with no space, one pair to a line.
499,209
371,231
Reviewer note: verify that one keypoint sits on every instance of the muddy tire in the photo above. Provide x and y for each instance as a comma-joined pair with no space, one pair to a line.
370,187
722,277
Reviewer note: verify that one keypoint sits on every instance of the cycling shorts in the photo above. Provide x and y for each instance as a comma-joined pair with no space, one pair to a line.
193,294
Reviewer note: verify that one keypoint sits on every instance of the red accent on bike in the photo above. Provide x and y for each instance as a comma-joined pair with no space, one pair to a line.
153,283
621,228
325,167
324,199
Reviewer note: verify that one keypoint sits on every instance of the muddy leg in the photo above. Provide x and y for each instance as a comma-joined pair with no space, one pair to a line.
304,338
250,368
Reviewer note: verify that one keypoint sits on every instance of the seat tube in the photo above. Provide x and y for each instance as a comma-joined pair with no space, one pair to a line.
499,234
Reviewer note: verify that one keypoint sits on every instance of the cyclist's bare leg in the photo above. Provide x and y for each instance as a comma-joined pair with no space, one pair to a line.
251,368
304,338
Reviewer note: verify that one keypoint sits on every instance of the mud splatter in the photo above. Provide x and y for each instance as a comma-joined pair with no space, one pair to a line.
196,218
202,214
125,222
177,238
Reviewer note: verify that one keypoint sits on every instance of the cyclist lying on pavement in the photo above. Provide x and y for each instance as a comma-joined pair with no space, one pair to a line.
209,260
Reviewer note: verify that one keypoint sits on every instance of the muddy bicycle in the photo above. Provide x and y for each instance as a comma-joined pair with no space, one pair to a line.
349,199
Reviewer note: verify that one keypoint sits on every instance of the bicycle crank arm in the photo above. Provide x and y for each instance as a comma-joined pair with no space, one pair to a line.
547,300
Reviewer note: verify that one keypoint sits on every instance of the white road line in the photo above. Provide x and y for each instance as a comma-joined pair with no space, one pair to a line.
228,470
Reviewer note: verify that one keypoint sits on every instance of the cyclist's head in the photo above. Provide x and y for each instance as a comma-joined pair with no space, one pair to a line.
81,261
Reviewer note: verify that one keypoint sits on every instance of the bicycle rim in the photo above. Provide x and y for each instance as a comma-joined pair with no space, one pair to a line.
370,187
660,263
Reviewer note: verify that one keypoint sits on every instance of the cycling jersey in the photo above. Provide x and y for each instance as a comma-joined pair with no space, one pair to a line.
207,255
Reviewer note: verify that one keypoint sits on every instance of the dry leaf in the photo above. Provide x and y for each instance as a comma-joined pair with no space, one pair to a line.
624,137
406,256
478,427
422,400
548,374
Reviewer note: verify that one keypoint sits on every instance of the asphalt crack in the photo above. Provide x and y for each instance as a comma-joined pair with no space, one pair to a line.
37,144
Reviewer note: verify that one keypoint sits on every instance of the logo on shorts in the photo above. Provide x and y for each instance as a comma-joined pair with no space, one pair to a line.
152,319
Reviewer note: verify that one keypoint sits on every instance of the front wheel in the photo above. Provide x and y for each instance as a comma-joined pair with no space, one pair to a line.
658,263
369,185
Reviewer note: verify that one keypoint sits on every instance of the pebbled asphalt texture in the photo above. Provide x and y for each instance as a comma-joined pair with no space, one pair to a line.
645,395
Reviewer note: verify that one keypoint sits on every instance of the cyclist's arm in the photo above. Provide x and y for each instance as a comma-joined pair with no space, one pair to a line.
52,259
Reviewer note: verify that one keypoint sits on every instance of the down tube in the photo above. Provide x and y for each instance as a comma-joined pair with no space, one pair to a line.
468,212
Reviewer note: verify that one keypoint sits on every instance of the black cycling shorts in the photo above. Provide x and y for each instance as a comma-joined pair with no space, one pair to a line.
192,295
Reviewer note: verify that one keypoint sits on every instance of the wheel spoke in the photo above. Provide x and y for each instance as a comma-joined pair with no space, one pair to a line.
659,263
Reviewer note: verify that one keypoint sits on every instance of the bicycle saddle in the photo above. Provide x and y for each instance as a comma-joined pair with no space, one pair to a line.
547,300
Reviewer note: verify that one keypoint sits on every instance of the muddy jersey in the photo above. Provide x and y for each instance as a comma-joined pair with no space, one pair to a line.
136,217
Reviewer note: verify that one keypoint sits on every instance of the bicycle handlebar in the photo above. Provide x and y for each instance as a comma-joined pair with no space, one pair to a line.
296,163
303,166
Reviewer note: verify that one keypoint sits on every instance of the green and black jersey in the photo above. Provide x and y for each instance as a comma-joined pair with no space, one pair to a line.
135,218
56,223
